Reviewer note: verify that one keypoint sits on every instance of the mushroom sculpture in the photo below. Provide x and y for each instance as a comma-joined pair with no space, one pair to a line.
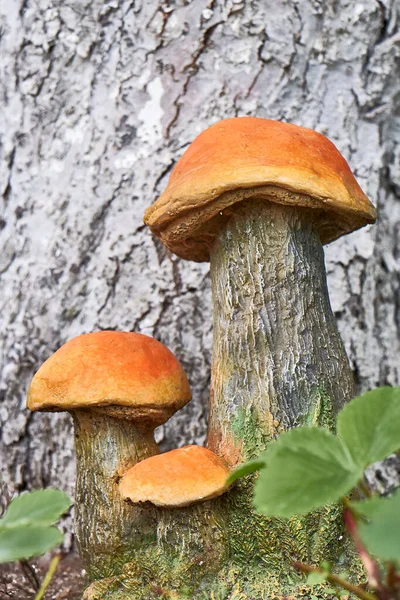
181,487
188,475
258,199
118,387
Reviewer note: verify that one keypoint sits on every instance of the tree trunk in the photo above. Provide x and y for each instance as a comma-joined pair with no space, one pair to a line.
99,100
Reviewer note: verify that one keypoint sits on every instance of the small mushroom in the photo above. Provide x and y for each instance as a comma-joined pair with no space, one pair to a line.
176,478
184,487
118,387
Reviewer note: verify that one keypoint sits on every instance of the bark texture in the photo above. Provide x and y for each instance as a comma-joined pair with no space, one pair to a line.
106,527
98,100
277,353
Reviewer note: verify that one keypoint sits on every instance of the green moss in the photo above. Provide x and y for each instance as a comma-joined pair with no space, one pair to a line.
244,555
157,573
275,543
321,412
251,582
246,428
256,539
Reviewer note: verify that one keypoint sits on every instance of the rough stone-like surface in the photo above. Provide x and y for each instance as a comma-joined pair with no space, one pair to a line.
277,352
98,100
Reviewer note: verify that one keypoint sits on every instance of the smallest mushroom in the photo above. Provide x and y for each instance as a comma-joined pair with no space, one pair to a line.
177,478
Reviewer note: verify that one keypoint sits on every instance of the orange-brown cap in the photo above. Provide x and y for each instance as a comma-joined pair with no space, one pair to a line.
247,157
108,369
177,478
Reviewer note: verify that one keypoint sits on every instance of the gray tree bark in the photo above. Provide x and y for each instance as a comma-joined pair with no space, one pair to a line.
98,101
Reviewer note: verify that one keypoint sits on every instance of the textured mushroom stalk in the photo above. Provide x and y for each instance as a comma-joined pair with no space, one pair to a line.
278,360
106,527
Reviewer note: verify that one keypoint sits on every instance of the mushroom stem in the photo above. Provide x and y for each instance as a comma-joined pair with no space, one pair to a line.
194,541
188,560
278,360
107,528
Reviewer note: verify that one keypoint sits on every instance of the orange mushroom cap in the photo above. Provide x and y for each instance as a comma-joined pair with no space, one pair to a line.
177,478
130,371
245,158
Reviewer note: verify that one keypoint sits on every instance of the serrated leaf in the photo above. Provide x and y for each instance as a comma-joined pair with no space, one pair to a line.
251,466
369,425
316,577
382,535
41,507
19,543
309,468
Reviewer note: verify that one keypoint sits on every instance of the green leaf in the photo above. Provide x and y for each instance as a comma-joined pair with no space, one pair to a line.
382,535
309,467
23,542
369,507
42,507
316,577
330,590
369,425
251,466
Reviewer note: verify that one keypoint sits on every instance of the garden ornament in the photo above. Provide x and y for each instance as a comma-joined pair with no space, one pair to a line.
118,387
177,478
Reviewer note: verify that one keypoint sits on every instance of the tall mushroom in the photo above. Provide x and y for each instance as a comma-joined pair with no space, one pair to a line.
118,387
258,198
